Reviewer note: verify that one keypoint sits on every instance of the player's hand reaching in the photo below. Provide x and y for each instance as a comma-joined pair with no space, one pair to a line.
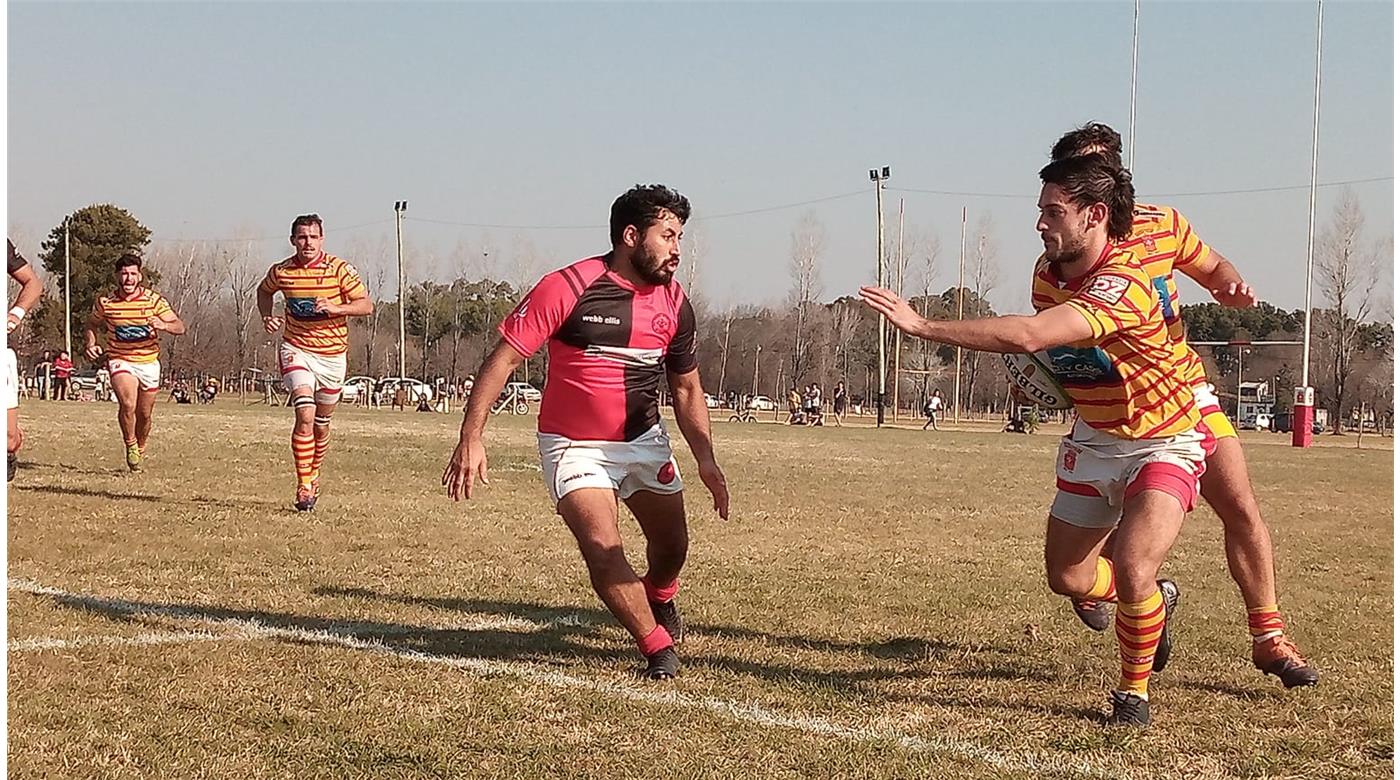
893,308
467,465
158,323
713,477
93,352
272,323
327,306
1236,295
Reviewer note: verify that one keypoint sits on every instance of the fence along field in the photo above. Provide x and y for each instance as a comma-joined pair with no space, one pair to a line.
876,608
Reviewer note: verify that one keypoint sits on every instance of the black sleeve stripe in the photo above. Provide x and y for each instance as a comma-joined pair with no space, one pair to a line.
574,278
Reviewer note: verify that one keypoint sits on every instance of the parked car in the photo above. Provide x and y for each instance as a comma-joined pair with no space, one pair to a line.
354,386
416,389
711,402
526,390
762,403
83,380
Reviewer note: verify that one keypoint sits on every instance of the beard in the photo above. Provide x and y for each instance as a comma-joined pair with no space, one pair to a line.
652,267
1068,252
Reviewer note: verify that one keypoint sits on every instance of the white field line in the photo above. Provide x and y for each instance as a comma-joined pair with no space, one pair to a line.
1032,763
59,643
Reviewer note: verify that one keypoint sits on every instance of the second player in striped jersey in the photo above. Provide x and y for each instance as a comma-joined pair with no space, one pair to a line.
1164,242
320,291
133,317
1134,456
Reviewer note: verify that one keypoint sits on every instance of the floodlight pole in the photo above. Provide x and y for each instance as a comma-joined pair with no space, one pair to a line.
1303,396
1132,98
67,290
400,206
957,360
879,175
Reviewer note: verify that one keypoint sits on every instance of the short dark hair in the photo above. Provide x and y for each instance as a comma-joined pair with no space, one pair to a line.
308,220
127,260
1094,135
1096,178
641,207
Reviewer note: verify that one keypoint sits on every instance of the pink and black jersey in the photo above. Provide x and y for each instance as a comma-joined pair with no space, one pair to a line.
610,344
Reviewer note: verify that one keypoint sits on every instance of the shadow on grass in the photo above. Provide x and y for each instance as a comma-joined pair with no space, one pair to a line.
77,491
908,651
203,502
1244,694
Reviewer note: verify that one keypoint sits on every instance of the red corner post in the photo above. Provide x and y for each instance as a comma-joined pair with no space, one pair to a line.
1302,416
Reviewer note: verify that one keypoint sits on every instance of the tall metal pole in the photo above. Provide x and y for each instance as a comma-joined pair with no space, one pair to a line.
757,352
899,290
878,175
957,361
1132,100
400,206
67,290
1303,396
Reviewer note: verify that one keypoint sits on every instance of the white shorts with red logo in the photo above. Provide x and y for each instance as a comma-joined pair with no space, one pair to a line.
147,374
11,379
324,374
645,463
1096,472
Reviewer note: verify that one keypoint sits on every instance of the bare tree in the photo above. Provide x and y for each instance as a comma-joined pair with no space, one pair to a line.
845,319
245,273
985,277
1347,271
191,277
808,244
925,249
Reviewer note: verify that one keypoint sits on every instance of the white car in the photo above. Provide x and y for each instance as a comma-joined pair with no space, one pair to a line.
524,390
416,389
762,403
353,387
711,402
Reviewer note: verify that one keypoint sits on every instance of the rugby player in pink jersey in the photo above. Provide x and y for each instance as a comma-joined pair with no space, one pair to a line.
615,325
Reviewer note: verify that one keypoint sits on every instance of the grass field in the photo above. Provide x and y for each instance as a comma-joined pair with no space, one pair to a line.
876,608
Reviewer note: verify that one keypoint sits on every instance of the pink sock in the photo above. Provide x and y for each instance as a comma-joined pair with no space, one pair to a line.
655,642
660,595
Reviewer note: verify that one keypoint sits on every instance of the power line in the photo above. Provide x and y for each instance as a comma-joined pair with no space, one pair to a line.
1024,196
256,238
698,218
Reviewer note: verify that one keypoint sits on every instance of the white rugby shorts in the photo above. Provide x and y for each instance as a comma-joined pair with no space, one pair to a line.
147,374
625,467
324,374
1096,472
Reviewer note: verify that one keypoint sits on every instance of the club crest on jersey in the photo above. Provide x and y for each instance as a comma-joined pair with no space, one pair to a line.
1150,244
1109,289
661,323
1071,458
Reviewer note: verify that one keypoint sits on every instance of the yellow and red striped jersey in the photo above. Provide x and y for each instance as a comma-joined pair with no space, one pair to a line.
1163,241
1125,380
130,336
301,284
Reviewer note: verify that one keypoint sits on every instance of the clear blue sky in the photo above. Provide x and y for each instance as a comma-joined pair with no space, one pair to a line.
214,121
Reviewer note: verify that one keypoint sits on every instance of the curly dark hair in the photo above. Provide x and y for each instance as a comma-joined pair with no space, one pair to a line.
307,220
1094,135
641,207
1096,178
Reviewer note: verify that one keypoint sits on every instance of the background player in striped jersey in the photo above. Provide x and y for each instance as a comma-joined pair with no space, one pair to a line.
320,290
616,325
133,318
1138,446
1164,242
31,289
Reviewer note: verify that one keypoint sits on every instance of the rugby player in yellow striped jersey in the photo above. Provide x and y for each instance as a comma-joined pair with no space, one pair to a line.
320,290
1164,242
1135,453
132,317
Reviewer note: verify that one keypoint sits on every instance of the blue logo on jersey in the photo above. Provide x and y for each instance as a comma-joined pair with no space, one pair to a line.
129,333
1165,295
1081,366
304,309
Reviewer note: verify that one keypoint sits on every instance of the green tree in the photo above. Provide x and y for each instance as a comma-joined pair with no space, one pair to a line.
98,235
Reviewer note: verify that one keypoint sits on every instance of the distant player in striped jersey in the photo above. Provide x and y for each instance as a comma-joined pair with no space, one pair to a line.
133,318
31,289
320,290
1164,242
1138,447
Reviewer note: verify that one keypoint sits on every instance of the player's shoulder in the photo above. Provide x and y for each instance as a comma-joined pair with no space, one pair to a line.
575,277
1154,216
281,265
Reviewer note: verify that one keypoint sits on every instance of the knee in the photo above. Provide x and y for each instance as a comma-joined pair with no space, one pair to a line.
602,556
1067,581
1134,580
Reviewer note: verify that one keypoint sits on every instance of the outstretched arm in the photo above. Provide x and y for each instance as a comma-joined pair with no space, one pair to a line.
693,418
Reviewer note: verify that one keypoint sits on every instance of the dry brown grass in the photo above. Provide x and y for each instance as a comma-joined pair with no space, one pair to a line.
876,608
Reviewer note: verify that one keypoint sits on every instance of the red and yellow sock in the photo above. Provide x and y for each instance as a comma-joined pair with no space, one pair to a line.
323,443
1105,589
303,452
1139,628
1265,622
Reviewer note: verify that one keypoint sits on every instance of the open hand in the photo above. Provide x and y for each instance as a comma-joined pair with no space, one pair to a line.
893,308
467,464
